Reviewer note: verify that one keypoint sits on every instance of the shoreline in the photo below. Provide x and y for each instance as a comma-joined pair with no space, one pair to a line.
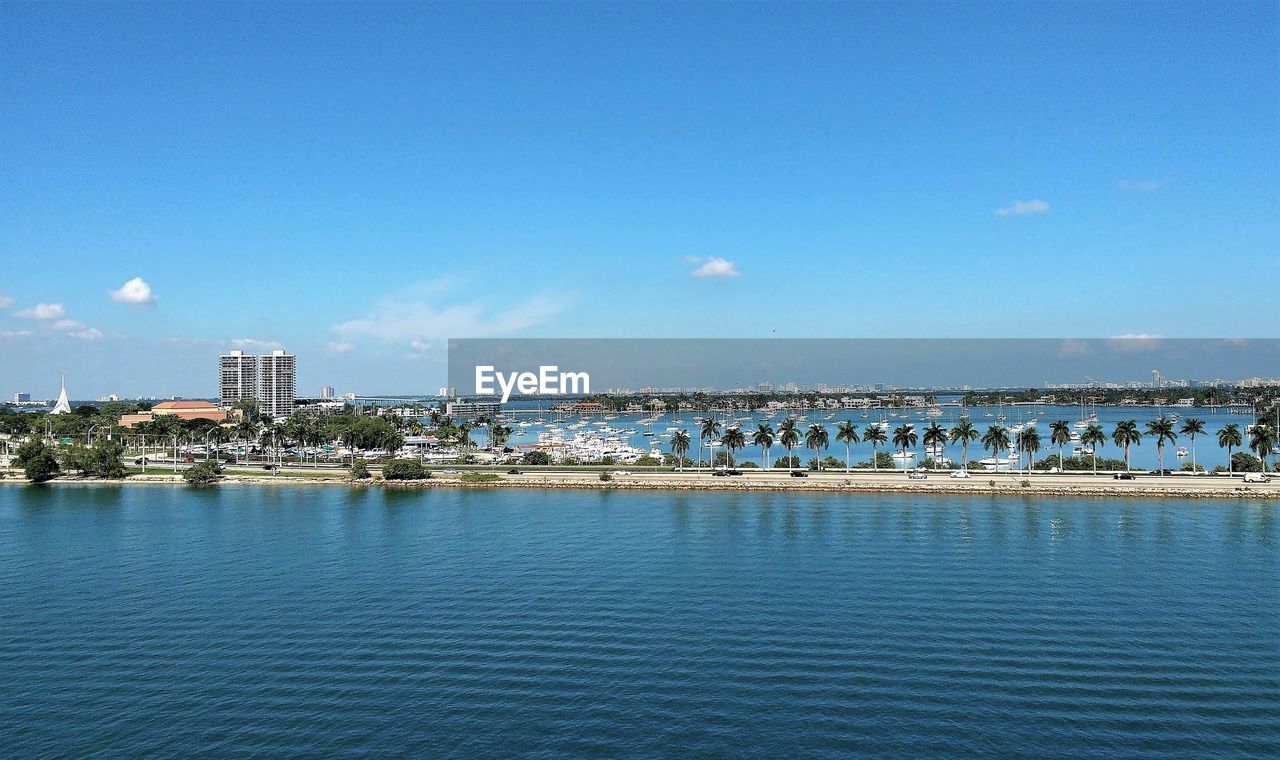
1007,487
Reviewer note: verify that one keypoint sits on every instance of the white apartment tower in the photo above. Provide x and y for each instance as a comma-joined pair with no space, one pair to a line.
277,383
270,379
237,378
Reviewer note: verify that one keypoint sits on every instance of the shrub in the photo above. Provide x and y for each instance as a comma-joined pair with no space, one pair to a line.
605,477
536,458
748,465
478,477
784,462
201,474
404,469
647,461
360,470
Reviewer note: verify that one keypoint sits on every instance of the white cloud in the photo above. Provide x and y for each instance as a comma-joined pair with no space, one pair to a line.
16,334
91,333
43,311
254,343
716,267
336,347
135,291
5,301
1141,185
67,325
1024,208
412,317
1131,342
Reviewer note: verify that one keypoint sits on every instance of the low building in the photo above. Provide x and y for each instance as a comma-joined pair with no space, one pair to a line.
183,410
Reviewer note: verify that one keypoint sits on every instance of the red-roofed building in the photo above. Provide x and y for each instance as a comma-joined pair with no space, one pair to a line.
183,410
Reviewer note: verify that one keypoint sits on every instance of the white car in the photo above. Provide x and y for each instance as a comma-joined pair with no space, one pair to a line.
620,472
451,472
1256,477
960,474
917,475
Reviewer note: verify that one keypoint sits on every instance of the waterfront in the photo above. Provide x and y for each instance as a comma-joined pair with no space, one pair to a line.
344,621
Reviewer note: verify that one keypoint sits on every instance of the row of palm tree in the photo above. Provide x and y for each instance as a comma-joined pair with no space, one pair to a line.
1027,442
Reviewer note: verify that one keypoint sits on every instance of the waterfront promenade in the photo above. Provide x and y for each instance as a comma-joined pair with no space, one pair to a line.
857,481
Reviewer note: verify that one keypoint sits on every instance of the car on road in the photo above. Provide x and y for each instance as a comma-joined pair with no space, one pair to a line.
1124,476
917,475
735,472
270,467
514,471
719,473
799,474
142,460
1256,477
960,474
451,472
1165,471
620,472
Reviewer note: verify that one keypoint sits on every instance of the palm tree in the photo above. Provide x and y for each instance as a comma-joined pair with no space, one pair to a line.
964,433
710,429
904,437
1262,439
1125,435
1029,444
874,435
935,436
680,447
1093,437
817,440
1229,438
996,439
764,439
1060,435
1193,427
846,433
733,440
1163,431
788,437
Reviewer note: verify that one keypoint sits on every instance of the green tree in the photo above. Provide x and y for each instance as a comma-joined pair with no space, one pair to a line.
817,439
710,429
1093,437
875,435
360,470
733,439
1229,438
847,433
904,437
935,437
1060,436
1192,427
996,439
38,462
680,446
1262,439
1162,430
763,438
789,437
964,433
1126,434
1028,444
103,460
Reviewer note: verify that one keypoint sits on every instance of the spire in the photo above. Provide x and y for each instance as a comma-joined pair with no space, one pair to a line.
63,406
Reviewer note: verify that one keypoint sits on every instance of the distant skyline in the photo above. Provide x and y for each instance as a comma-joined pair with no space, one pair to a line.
359,183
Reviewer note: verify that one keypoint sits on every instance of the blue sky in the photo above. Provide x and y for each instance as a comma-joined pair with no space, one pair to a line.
360,182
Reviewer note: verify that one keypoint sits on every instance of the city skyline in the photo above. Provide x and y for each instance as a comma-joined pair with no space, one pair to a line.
873,170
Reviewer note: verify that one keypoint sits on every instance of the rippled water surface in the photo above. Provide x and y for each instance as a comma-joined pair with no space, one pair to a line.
324,621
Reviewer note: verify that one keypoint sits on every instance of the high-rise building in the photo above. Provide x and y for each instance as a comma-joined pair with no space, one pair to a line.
21,398
326,391
277,383
237,378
